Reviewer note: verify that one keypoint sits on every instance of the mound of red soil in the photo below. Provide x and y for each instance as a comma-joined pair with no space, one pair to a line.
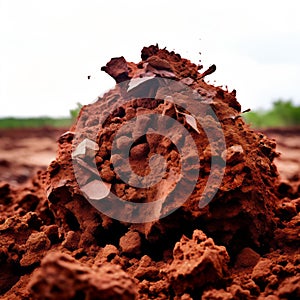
241,242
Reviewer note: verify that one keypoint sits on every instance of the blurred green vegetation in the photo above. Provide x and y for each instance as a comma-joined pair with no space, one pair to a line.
74,112
35,122
12,122
282,114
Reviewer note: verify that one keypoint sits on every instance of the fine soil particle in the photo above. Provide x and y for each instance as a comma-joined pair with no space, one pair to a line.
244,244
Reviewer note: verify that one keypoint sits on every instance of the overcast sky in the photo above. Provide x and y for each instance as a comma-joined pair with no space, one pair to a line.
48,48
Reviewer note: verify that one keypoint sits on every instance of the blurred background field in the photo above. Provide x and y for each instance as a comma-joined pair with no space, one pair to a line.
283,113
34,122
40,122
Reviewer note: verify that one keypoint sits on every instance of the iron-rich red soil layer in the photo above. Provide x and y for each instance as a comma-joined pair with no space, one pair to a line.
243,245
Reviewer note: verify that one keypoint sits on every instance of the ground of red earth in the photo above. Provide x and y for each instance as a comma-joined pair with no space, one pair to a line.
25,151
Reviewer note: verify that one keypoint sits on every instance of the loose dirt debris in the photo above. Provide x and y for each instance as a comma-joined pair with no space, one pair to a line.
243,245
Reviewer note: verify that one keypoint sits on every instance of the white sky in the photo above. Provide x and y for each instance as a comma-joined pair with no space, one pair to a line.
49,47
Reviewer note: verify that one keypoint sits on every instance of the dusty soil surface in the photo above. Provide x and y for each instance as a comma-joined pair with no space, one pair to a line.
288,144
244,244
24,151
